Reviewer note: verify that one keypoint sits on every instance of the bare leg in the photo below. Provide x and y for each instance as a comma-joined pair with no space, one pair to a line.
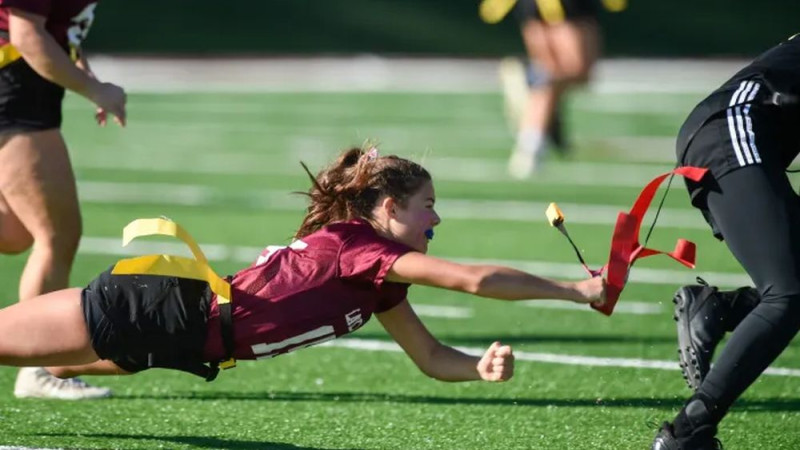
101,367
14,238
575,48
39,207
46,330
566,52
38,188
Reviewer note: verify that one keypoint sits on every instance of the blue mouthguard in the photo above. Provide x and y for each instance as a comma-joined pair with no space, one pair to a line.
429,234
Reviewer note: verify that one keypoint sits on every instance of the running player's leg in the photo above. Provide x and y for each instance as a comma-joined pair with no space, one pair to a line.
541,102
38,185
576,47
39,193
14,237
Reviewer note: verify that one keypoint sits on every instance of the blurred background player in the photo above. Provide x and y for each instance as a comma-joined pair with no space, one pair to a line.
562,40
40,48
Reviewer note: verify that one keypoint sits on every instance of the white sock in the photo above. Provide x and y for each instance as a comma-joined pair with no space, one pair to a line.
530,141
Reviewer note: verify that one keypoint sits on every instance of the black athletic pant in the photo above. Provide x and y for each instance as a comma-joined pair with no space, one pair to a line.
758,214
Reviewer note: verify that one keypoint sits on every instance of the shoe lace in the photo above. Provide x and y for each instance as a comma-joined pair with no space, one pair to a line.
76,383
64,383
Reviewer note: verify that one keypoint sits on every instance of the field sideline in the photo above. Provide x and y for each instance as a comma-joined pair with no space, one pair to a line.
215,145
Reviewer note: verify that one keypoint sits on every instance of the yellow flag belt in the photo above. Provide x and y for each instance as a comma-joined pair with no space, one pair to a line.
9,54
177,266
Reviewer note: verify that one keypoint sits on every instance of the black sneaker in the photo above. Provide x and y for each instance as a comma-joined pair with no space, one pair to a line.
665,440
700,313
700,439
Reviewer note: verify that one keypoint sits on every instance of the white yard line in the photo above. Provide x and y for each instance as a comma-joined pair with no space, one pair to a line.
378,74
458,312
449,208
623,307
652,149
589,174
637,274
442,312
246,255
553,358
464,169
16,447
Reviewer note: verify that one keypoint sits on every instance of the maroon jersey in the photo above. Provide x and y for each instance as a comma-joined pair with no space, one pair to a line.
321,287
67,20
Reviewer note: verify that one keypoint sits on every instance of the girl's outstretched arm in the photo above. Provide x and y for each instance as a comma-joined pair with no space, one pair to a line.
438,360
498,282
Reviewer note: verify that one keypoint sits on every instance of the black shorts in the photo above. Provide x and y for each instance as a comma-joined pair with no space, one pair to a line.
573,9
145,321
724,139
28,102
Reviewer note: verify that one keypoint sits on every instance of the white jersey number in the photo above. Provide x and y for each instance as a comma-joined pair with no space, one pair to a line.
272,249
80,26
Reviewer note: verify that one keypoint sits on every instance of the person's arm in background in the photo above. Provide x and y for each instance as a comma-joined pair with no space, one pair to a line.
27,33
100,115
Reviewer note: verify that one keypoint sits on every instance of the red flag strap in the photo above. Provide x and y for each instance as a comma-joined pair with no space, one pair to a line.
625,247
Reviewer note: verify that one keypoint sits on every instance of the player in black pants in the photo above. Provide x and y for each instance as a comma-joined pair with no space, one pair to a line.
746,133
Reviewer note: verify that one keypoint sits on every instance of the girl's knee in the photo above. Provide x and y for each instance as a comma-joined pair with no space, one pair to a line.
14,237
16,245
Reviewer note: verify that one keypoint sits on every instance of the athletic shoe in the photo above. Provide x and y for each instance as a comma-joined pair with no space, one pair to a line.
700,439
523,164
700,314
36,382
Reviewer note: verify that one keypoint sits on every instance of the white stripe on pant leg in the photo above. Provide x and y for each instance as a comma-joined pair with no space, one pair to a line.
743,136
736,94
732,124
752,95
751,134
745,92
734,137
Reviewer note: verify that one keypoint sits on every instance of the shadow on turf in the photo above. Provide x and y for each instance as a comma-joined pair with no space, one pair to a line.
763,404
538,338
195,441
